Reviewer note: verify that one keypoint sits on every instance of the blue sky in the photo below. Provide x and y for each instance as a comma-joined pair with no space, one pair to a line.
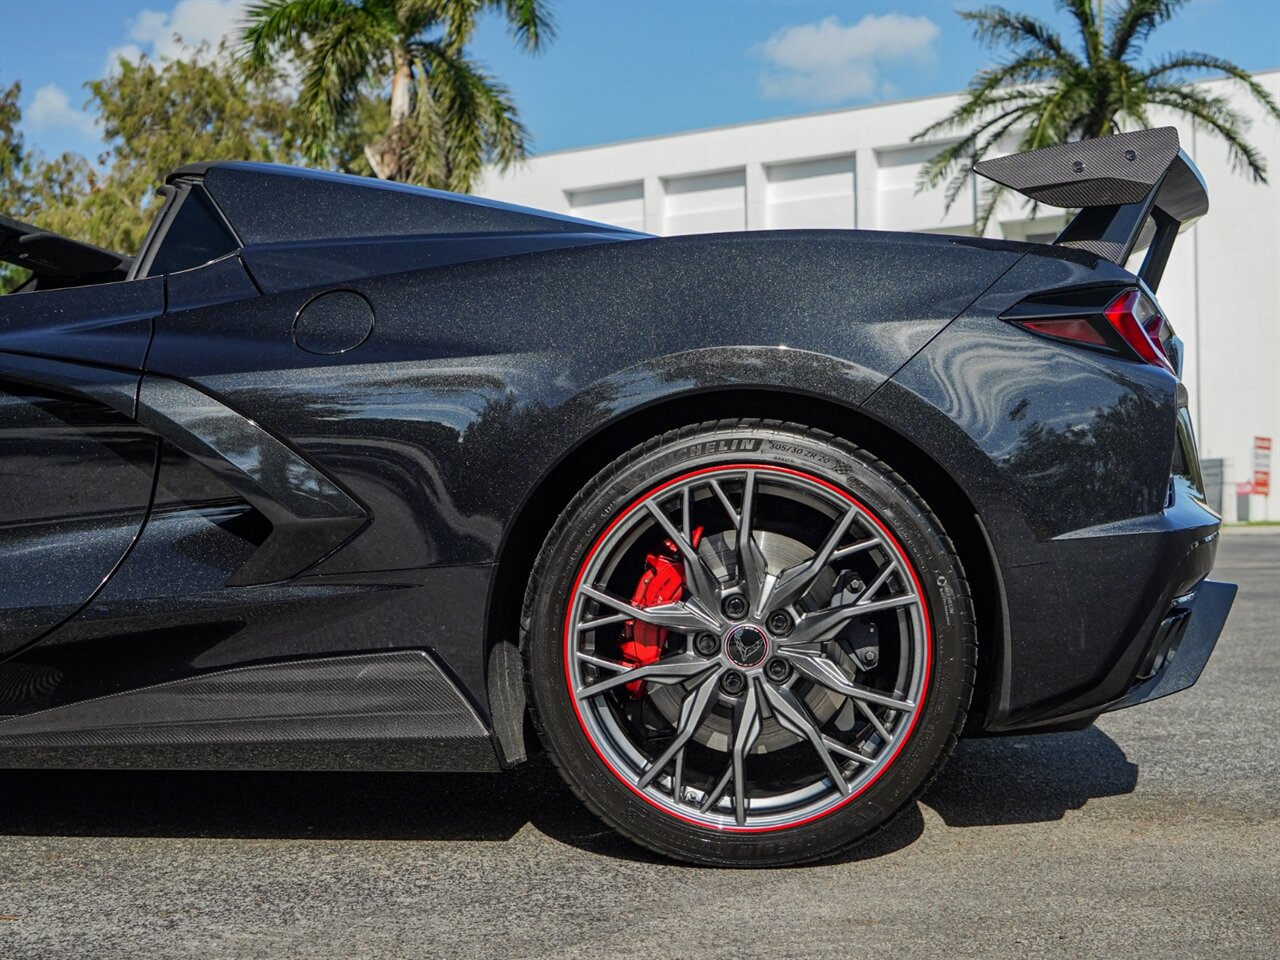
618,68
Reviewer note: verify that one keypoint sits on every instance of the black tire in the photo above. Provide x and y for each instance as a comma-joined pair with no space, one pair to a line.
949,639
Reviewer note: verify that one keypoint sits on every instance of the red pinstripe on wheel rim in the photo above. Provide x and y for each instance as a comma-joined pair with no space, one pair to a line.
889,539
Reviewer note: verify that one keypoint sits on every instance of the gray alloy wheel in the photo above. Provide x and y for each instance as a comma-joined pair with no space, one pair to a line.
745,645
760,679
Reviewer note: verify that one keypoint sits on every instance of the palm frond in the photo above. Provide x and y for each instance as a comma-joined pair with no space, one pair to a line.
476,117
1135,21
976,109
530,20
997,26
1173,67
1216,114
992,193
455,19
273,25
424,154
947,161
1029,68
341,57
1082,11
1048,119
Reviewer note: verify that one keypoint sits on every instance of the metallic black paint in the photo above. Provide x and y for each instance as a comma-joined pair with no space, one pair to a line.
78,479
110,327
310,514
313,503
1065,454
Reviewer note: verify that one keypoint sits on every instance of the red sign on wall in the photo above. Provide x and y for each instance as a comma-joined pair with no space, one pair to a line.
1262,466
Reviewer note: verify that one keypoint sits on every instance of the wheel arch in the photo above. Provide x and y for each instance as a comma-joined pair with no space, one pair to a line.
553,492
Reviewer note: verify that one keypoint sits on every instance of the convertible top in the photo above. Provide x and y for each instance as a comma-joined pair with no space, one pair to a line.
267,203
58,261
266,210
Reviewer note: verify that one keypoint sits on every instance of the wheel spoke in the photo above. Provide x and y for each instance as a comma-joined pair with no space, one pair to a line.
677,777
747,724
680,615
853,548
870,714
793,715
835,746
602,661
602,622
717,791
820,624
692,711
725,502
881,579
795,580
823,671
671,670
753,569
686,525
704,584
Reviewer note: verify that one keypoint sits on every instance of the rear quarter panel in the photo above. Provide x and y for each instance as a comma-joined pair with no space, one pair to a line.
1065,454
479,376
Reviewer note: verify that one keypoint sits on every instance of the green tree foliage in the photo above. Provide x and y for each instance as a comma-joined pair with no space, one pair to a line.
13,158
443,115
1046,92
31,187
159,116
12,148
154,116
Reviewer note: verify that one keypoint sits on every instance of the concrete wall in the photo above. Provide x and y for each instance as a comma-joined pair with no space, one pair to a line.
857,168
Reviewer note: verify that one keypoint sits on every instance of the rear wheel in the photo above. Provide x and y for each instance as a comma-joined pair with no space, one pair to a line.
748,643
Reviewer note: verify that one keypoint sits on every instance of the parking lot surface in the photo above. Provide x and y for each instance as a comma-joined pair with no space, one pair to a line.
1156,834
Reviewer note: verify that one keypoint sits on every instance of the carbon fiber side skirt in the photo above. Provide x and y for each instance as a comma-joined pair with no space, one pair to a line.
381,711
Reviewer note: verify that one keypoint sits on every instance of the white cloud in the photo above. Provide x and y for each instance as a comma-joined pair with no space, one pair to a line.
828,62
172,35
51,109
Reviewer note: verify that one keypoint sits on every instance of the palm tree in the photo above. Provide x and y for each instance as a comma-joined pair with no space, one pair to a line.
1050,94
446,117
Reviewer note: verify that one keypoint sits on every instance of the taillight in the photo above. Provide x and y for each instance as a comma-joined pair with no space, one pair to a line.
1140,325
1128,323
1067,328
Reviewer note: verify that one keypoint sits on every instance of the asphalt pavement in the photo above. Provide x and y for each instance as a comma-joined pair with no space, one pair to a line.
1155,834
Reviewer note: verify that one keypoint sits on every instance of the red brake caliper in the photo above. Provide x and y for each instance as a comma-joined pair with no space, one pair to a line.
663,582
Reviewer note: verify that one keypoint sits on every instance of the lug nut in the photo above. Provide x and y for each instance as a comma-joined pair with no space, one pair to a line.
706,644
733,683
777,670
779,623
871,657
735,607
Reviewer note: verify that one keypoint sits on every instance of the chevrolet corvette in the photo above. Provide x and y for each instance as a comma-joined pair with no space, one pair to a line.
743,530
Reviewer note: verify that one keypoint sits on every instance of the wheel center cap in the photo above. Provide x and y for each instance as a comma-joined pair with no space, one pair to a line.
746,646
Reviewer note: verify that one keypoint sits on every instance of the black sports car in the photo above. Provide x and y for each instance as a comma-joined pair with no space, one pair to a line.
341,474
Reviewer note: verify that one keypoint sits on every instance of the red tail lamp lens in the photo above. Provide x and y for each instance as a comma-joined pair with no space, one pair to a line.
1073,328
1139,324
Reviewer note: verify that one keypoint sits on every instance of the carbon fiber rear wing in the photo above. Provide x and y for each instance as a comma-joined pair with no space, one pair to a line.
1133,190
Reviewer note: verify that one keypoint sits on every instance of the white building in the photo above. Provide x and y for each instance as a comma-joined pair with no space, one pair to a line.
857,168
